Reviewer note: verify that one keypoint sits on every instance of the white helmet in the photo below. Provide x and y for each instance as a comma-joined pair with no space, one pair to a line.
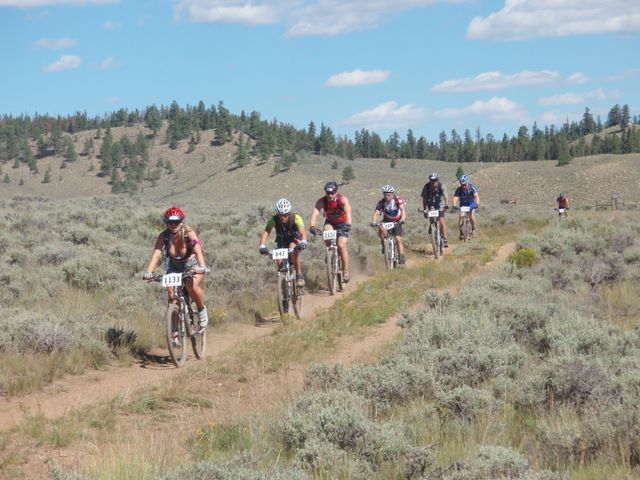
388,189
283,206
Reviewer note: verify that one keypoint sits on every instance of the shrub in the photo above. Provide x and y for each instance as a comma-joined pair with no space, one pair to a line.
523,257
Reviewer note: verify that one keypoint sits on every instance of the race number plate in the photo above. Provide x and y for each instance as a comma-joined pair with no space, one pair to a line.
465,209
329,234
388,225
172,280
433,213
280,253
561,210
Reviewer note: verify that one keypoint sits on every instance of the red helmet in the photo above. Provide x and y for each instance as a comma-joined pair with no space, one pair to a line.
173,214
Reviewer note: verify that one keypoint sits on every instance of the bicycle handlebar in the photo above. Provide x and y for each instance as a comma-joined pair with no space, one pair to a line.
187,274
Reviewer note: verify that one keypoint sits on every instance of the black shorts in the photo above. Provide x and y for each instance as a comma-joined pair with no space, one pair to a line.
339,229
397,229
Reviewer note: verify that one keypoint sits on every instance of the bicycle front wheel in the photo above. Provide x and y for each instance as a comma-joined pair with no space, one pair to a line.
466,229
331,274
434,241
296,299
389,253
283,295
176,335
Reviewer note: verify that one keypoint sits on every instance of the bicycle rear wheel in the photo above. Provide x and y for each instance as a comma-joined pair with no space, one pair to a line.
198,338
176,335
283,295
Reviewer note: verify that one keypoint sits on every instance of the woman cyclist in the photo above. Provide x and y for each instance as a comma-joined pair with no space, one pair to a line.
181,247
392,208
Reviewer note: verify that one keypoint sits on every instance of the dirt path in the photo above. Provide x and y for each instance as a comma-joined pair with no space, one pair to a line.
74,392
231,398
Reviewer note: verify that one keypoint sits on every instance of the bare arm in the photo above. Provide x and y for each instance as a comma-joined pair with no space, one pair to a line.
157,253
315,213
347,209
403,213
197,248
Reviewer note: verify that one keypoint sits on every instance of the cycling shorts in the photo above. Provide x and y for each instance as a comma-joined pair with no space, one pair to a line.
338,227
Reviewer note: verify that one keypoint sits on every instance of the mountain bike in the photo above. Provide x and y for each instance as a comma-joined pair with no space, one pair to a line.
465,223
434,231
333,261
181,319
288,292
391,259
562,212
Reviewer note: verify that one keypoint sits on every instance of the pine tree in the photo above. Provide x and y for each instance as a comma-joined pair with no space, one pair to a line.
47,176
70,154
348,174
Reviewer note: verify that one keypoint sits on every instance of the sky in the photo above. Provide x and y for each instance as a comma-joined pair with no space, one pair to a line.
382,65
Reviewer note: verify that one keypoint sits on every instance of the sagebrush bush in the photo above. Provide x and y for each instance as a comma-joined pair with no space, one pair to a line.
523,257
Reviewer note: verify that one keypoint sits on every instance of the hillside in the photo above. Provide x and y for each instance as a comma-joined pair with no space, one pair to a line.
211,169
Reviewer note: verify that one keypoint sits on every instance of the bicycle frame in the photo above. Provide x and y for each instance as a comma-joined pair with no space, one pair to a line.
465,223
181,319
391,260
434,231
333,261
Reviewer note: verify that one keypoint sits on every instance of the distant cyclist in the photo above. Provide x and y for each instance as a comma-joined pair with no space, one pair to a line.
562,201
290,233
392,209
181,247
434,195
466,195
337,212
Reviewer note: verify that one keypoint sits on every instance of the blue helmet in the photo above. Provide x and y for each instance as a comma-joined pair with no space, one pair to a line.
464,179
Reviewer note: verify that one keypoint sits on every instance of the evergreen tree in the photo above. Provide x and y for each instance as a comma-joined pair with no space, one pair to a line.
47,176
106,159
6,178
88,147
70,154
348,174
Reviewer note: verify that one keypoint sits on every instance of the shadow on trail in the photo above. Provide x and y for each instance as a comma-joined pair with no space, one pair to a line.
150,360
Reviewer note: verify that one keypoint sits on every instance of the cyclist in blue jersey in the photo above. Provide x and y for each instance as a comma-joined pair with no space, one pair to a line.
466,195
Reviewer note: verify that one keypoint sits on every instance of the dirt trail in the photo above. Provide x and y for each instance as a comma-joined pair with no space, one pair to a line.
73,392
231,398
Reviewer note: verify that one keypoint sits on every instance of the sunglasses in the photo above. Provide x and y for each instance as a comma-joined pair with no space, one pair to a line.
173,223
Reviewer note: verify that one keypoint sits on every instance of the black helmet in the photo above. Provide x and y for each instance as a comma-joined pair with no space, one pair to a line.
331,187
434,176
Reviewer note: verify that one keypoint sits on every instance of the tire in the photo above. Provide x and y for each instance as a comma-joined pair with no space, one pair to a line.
389,253
283,295
465,229
338,274
176,335
198,338
434,241
296,300
331,277
440,243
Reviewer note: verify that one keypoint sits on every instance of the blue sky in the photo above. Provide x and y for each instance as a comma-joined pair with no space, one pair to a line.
383,65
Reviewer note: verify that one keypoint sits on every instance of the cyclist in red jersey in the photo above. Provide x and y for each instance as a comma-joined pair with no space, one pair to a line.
337,213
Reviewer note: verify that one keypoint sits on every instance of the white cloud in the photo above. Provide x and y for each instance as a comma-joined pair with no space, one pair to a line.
525,19
577,78
499,81
56,43
111,25
357,78
51,3
113,100
626,75
582,98
302,17
230,11
109,63
65,62
496,108
387,116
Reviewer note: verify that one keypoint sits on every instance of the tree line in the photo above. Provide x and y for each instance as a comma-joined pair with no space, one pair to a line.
25,139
